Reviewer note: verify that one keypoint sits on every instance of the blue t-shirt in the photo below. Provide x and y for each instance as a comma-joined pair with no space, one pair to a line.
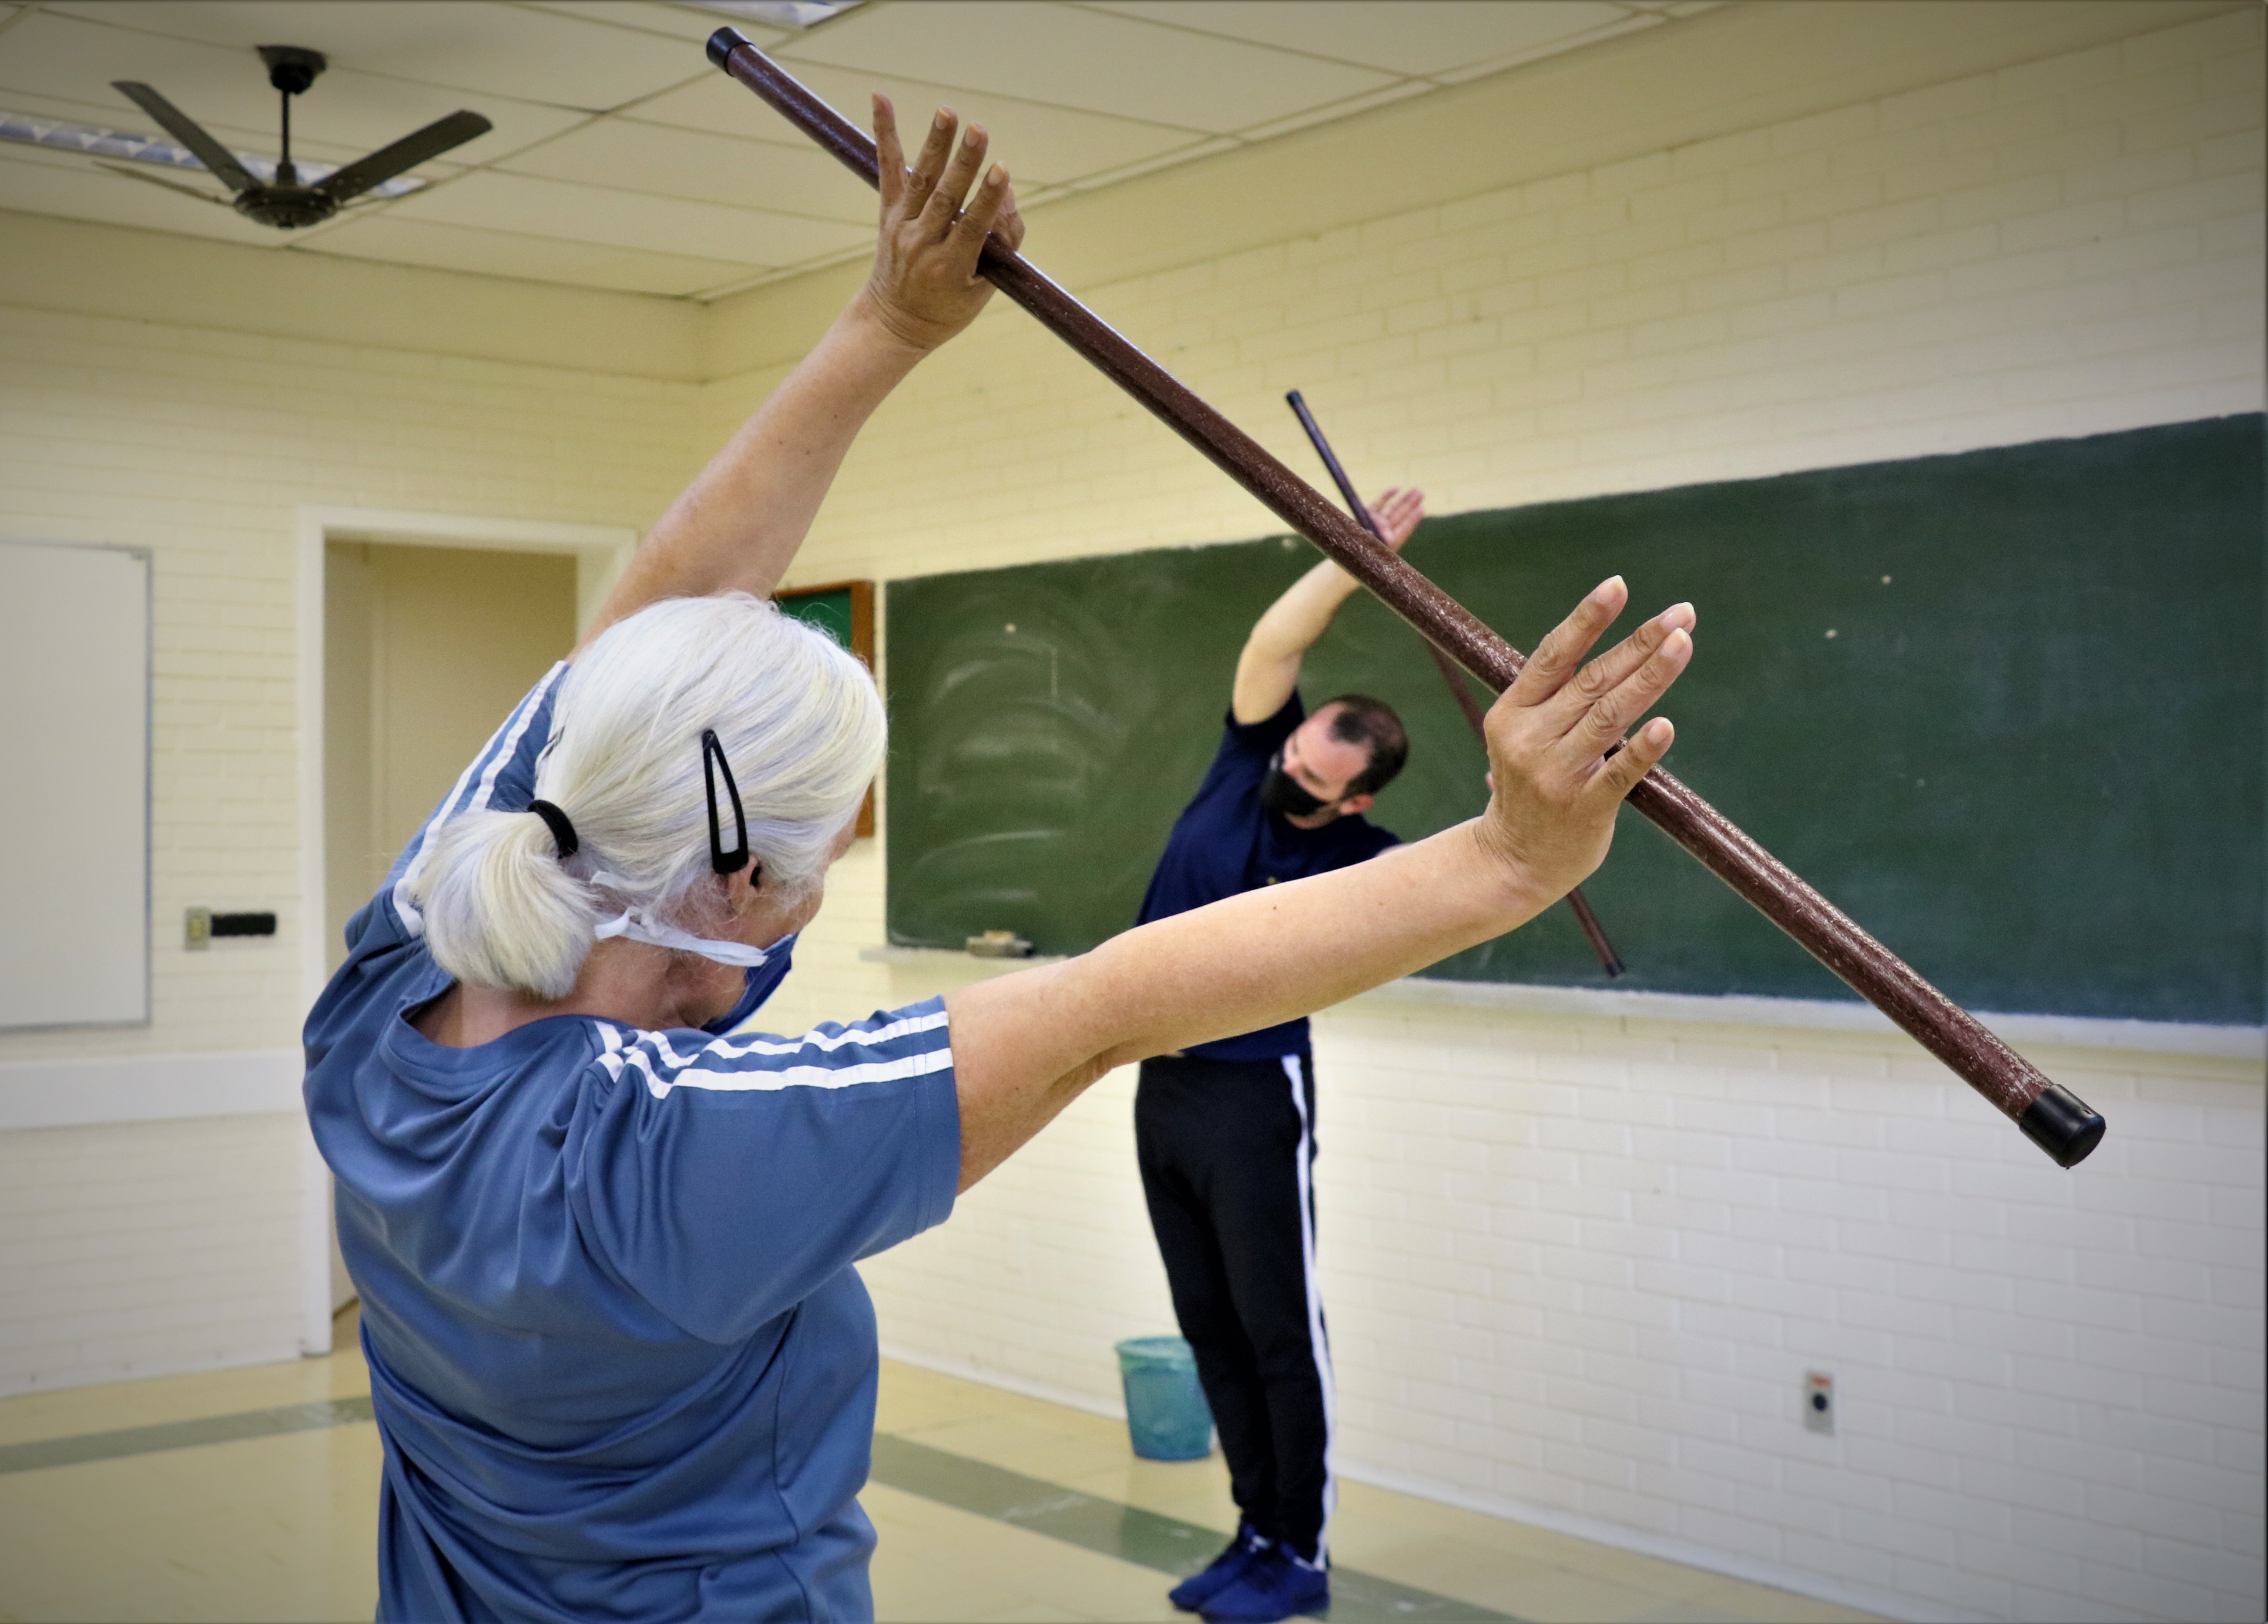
620,1360
1226,843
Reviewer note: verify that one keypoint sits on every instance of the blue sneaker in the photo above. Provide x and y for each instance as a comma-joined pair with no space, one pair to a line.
1275,1587
1227,1568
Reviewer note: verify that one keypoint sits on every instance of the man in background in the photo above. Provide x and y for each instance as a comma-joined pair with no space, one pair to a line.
1225,1130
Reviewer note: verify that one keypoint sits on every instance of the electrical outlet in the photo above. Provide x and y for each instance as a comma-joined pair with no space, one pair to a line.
1819,1402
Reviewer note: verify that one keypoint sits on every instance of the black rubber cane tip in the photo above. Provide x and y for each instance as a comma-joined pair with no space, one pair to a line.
2063,1125
723,42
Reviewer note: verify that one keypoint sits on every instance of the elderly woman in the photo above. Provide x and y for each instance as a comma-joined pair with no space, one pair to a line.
619,1359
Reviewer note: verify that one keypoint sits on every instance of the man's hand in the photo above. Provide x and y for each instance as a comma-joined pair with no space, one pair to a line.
1269,668
1551,814
1396,513
924,287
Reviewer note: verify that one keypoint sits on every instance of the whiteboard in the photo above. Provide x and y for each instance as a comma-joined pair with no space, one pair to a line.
74,785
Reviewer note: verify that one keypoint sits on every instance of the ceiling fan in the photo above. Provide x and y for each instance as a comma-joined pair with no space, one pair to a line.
284,202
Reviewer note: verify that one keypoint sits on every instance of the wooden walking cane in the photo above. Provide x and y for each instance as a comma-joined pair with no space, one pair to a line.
1592,931
2050,1114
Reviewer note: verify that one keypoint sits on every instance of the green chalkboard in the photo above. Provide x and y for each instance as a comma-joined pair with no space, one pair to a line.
2004,706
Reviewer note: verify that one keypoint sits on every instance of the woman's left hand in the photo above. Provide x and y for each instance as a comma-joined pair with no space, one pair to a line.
924,287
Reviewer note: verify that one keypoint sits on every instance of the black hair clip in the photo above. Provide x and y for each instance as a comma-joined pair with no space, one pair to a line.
712,763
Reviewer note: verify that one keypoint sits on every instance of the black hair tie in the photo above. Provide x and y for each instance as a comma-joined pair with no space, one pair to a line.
562,833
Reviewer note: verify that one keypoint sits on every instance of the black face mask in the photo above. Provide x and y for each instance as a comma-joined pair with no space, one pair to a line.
1281,794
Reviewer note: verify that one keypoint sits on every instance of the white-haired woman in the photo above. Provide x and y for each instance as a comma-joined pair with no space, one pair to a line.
619,1357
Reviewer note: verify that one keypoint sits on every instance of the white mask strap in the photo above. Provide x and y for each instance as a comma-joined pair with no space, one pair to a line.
634,924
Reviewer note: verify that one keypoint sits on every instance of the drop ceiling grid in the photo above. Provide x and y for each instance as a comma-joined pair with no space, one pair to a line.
621,159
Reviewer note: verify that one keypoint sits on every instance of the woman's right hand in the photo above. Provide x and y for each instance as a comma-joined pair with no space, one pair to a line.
1554,789
924,287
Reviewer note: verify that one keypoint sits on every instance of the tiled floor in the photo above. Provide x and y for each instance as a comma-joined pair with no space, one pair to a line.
280,1526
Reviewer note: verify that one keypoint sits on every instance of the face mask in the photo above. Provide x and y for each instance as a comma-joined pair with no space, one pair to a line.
762,980
1281,794
766,966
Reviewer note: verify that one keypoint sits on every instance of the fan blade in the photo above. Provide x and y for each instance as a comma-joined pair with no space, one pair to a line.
171,186
191,134
407,153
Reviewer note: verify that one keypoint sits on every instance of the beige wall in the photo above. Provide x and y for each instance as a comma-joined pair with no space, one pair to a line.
206,447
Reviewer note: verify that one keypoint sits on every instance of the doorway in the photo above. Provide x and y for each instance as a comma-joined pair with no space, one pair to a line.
425,651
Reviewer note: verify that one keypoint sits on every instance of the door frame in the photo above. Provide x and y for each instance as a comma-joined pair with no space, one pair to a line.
600,552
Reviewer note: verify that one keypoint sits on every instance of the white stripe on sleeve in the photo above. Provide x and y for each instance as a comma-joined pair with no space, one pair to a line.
884,1049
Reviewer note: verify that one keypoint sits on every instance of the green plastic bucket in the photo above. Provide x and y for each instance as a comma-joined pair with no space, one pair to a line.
1165,1411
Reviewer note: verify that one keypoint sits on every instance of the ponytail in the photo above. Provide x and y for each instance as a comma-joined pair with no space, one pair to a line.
500,908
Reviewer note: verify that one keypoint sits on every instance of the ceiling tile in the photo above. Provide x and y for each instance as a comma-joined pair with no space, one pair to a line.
125,116
1091,60
1400,90
590,214
1205,148
510,50
70,59
533,259
1628,23
682,23
669,162
719,104
690,184
34,181
1408,36
1040,145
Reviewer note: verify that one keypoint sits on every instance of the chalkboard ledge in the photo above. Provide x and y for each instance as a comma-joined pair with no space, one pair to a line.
1819,1014
1595,1003
947,961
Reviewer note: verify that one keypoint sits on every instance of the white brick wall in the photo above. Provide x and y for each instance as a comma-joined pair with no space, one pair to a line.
1576,1269
147,1247
1584,1267
201,446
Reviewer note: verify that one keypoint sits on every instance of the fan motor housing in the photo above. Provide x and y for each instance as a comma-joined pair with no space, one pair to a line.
286,208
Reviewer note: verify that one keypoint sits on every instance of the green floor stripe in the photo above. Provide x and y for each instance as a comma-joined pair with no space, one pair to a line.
87,1446
1147,1539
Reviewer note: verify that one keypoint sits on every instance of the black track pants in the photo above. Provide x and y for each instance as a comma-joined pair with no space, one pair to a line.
1227,1148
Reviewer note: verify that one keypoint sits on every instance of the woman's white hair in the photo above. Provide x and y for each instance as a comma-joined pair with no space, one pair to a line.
799,722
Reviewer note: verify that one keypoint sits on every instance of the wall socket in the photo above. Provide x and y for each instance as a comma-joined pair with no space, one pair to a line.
1819,1402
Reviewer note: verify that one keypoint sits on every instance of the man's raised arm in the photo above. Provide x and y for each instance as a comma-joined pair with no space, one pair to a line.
1269,668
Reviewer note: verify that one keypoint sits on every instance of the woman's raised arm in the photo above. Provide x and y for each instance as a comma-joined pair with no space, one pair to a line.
737,527
1025,1046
